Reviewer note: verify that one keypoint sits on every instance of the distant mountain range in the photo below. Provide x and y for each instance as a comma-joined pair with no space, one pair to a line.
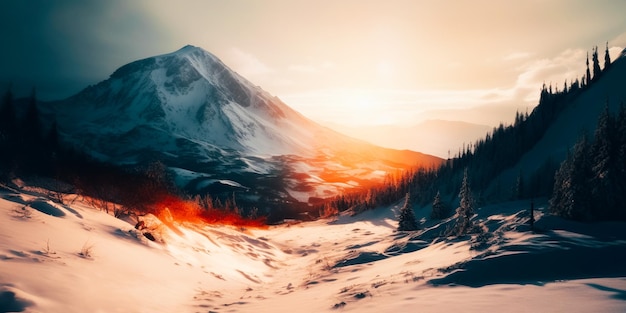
219,133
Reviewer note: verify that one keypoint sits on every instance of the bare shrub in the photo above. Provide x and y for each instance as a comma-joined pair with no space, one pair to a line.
87,250
47,251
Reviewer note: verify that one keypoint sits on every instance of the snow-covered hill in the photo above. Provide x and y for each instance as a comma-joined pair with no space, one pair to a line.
210,125
73,258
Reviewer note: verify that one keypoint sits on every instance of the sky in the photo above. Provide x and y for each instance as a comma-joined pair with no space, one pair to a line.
349,63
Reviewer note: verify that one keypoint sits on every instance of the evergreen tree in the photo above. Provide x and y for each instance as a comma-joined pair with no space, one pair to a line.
440,210
558,203
604,163
607,57
587,79
407,220
572,196
596,64
466,207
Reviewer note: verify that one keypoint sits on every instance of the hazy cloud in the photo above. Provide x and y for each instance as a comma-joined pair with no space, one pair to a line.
247,64
517,56
311,68
303,68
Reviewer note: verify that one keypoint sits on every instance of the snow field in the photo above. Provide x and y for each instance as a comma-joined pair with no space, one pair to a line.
57,258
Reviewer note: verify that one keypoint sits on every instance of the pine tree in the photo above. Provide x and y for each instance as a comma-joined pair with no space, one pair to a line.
596,64
603,167
571,197
466,207
607,57
558,204
587,78
439,208
407,220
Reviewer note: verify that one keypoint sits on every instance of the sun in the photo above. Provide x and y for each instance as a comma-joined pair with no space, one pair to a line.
361,107
358,101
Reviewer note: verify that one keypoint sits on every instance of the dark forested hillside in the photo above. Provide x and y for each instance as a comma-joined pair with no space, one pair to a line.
520,160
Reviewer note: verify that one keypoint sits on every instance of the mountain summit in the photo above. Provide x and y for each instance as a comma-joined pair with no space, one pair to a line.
218,132
192,96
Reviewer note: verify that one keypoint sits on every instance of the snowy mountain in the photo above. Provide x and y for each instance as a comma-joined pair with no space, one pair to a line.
218,132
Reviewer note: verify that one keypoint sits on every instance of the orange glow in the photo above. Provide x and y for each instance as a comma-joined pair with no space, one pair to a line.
171,209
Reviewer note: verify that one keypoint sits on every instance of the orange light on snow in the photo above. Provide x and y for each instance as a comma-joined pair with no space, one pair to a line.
173,209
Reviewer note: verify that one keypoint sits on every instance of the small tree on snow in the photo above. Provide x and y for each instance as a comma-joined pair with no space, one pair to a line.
407,221
440,210
465,209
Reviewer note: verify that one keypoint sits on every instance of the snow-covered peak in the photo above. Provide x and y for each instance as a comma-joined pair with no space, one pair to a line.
188,48
181,62
190,93
190,111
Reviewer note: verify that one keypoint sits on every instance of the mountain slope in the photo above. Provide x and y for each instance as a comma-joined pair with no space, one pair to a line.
218,132
580,116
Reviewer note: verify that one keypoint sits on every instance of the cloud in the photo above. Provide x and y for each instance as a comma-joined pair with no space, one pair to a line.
567,66
618,41
310,68
490,106
247,64
360,107
303,68
520,55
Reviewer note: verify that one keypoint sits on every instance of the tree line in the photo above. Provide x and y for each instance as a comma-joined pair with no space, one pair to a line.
590,184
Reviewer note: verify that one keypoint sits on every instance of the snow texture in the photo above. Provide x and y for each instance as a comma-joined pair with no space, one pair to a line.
84,260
